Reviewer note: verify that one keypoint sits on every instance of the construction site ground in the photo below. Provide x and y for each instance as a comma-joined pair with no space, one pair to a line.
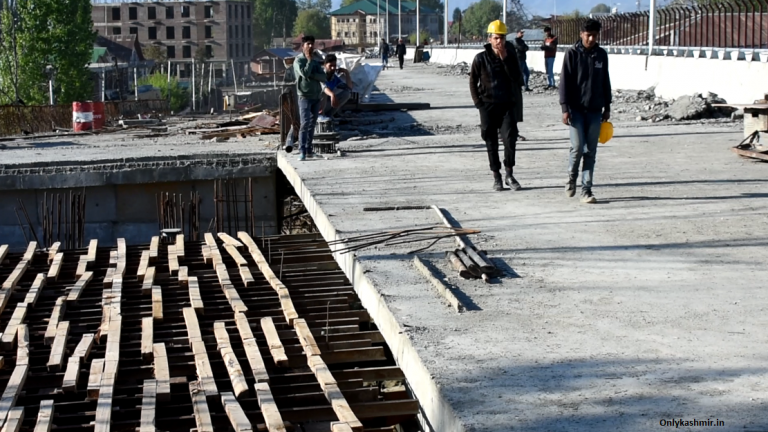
647,306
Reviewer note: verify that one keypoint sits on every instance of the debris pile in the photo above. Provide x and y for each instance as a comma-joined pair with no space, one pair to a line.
538,83
651,108
458,69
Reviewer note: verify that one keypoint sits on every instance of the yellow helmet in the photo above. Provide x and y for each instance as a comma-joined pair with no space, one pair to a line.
497,27
606,132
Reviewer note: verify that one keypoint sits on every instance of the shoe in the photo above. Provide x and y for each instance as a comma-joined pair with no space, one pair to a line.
497,185
311,154
302,157
587,197
570,188
510,181
528,89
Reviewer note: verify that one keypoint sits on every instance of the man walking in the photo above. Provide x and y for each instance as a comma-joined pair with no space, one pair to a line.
384,51
585,97
495,82
309,76
522,48
336,91
550,50
400,52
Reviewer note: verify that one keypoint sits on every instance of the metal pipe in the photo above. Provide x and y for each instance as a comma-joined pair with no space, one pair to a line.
651,31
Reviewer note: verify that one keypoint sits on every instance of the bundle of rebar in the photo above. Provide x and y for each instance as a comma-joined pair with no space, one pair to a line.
171,211
394,238
233,206
62,220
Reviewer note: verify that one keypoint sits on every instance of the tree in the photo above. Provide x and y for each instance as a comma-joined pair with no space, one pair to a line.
201,54
179,96
412,38
571,15
312,22
322,5
477,17
271,19
456,15
153,52
348,2
600,8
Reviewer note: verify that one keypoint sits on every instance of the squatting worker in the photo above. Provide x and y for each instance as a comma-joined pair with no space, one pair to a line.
585,96
400,52
309,77
337,91
495,82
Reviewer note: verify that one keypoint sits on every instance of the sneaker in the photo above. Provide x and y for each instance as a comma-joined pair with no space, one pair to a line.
570,188
587,197
497,185
311,154
509,179
528,89
302,157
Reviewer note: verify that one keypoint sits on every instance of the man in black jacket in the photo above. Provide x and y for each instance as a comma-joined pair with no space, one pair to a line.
400,52
522,48
495,81
585,97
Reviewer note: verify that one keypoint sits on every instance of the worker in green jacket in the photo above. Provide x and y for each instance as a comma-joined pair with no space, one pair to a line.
309,75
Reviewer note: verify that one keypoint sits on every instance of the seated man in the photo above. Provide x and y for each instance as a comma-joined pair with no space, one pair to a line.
336,91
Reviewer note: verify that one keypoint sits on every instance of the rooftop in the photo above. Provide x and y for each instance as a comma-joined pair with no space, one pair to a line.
369,7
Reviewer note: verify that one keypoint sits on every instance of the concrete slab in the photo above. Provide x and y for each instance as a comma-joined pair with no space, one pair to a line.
647,307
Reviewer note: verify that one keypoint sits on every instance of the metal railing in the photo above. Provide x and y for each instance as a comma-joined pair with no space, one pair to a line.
732,24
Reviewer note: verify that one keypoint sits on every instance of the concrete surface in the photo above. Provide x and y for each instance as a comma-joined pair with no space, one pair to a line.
647,306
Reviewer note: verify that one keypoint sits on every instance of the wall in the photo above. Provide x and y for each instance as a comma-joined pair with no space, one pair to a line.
739,82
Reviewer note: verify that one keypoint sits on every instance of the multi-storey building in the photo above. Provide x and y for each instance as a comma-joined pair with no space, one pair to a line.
220,29
357,23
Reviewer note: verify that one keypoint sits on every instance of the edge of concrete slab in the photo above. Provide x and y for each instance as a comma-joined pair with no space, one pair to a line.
437,414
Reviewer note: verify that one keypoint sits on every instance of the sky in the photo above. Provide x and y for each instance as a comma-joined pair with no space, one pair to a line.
547,7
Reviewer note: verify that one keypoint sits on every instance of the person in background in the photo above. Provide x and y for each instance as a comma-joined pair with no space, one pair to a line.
400,52
522,48
550,50
336,91
309,76
585,98
384,51
495,81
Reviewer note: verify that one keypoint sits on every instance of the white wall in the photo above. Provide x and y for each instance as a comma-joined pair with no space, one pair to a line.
736,81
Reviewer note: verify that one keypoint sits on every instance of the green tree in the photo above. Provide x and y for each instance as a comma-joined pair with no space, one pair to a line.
456,15
273,19
412,37
179,96
312,22
322,5
571,15
201,54
477,17
348,2
600,8
153,52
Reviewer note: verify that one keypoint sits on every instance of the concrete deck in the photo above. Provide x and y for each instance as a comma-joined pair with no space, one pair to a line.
648,306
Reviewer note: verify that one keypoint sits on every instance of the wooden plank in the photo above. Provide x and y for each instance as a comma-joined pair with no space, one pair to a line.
204,371
269,409
71,374
180,246
143,263
53,322
305,338
53,272
22,352
77,289
148,404
5,295
149,280
15,417
235,254
193,326
154,246
273,341
3,253
109,277
252,353
289,311
194,295
157,303
29,254
8,341
441,287
82,266
52,251
209,239
333,393
162,371
34,290
44,416
13,390
235,412
122,258
233,296
15,276
103,421
173,259
246,276
92,248
200,406
59,347
147,337
83,349
243,327
229,240
234,370
183,276
94,378
341,427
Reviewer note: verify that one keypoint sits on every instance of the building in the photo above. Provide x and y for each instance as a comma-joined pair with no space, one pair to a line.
117,63
219,30
268,65
356,24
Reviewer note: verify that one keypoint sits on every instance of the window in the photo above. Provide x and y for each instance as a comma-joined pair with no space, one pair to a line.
171,52
338,34
230,32
116,30
209,11
248,12
115,14
265,67
237,50
231,50
169,12
133,13
152,12
249,49
208,32
186,51
249,31
229,12
354,34
152,35
237,30
170,32
186,32
209,51
236,8
185,11
346,34
133,30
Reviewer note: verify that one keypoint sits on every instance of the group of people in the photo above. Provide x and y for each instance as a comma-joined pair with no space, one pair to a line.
499,74
384,51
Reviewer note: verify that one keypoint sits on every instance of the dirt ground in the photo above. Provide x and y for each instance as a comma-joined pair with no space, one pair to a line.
648,306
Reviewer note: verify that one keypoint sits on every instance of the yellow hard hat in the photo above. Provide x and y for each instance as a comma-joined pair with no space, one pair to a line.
497,27
606,132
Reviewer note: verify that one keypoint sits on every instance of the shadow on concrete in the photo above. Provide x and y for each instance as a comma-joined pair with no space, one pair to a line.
701,181
465,299
505,268
675,133
43,144
719,244
694,198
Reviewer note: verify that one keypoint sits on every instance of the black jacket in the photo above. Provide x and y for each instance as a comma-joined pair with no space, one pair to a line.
400,50
584,81
521,47
492,80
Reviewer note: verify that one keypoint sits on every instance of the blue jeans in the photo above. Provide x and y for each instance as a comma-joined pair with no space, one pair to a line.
550,65
384,61
526,72
585,130
308,111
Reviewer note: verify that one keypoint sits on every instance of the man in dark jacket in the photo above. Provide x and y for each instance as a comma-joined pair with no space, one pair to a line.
522,48
585,97
400,52
384,53
309,79
495,82
550,51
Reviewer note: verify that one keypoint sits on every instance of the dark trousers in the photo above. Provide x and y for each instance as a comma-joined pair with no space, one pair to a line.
495,116
400,58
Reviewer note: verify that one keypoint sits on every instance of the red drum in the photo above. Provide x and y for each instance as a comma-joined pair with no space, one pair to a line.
82,116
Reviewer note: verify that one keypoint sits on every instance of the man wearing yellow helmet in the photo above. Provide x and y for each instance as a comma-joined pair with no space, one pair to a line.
495,82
